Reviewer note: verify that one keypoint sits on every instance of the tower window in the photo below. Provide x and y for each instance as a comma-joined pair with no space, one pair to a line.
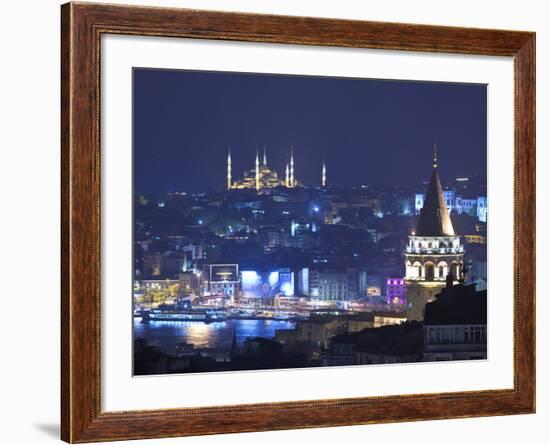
429,272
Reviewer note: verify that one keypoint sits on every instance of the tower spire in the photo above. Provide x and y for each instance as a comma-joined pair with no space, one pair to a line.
435,219
229,168
291,166
265,156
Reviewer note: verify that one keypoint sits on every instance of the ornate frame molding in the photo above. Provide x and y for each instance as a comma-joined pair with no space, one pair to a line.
82,25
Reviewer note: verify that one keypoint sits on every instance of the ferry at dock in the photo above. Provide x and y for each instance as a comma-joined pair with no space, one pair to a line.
175,312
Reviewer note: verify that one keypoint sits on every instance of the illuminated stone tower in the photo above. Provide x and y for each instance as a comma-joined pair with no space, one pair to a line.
434,253
324,175
229,169
265,157
291,181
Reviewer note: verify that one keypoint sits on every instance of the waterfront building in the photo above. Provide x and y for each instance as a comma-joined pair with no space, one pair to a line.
221,279
156,291
158,285
263,287
341,284
434,254
330,284
189,283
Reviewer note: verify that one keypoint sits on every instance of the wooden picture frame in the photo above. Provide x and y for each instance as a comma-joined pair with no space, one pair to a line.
82,25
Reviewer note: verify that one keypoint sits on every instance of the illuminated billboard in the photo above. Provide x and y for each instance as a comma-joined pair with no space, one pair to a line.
216,273
266,284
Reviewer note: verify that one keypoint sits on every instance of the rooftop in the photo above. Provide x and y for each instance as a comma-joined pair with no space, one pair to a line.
435,219
457,305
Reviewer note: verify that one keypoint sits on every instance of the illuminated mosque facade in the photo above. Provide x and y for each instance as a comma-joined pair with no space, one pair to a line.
261,176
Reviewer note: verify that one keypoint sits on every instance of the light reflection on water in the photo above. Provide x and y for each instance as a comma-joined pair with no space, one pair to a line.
167,334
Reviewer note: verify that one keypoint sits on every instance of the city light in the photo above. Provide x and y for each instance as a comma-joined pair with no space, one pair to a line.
249,277
286,288
273,278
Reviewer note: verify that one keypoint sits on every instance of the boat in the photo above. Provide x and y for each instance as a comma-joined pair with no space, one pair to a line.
176,312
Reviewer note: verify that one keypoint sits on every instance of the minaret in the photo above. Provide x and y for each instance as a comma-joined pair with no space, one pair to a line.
229,168
287,177
324,175
291,167
265,157
435,156
257,170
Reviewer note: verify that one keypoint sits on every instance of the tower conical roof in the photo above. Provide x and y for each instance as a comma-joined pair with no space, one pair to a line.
435,219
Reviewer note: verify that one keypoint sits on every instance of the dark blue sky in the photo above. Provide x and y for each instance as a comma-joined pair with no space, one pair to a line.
369,131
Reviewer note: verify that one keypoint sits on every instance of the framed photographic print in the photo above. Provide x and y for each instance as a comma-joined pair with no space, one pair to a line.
283,222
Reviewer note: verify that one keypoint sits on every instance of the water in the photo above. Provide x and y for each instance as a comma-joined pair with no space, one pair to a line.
167,334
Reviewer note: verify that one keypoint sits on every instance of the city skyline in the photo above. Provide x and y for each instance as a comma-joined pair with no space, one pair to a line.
323,222
185,122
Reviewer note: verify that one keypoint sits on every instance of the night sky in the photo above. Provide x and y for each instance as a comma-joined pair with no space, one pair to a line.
369,131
